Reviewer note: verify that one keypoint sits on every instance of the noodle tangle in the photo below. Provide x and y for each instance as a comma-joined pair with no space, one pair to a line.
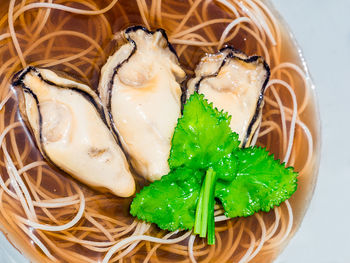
52,218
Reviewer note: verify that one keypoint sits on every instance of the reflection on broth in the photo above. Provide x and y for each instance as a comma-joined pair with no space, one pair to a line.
51,217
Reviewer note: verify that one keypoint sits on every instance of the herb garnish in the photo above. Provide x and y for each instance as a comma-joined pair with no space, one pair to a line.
207,163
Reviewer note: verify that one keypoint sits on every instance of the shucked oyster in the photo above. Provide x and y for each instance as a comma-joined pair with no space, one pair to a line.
235,83
140,88
67,121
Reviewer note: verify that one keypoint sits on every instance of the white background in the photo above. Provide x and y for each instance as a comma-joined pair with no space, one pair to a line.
322,28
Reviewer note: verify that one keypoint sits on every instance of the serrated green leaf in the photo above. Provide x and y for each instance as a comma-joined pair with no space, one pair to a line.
248,180
170,202
202,136
261,183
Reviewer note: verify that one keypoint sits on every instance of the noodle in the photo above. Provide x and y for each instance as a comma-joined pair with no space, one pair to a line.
52,218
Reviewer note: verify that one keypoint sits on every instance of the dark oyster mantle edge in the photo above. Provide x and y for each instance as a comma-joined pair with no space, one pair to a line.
17,81
117,67
249,59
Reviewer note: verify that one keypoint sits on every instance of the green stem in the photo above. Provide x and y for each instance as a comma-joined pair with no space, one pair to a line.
198,219
211,218
204,221
205,204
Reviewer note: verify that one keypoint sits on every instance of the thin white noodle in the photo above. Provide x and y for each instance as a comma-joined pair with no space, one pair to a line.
70,58
99,226
308,137
126,251
246,10
304,78
165,237
13,33
19,186
275,226
184,20
263,236
290,221
229,6
61,227
144,7
289,226
159,12
221,218
65,8
143,15
31,166
90,243
66,32
23,169
262,45
12,18
144,227
193,36
229,28
272,18
190,248
43,22
5,188
4,36
128,240
309,141
282,114
294,116
137,231
197,27
272,126
245,258
294,67
153,11
52,203
262,20
37,242
193,43
5,100
272,243
219,212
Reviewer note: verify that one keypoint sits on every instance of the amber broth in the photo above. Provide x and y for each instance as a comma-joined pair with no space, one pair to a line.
87,68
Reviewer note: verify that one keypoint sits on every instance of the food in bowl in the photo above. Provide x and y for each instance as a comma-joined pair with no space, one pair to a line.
49,216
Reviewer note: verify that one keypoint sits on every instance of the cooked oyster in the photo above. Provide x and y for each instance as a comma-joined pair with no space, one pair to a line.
140,88
67,121
234,83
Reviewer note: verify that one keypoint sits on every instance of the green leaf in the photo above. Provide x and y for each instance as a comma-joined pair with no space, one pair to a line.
261,183
244,180
170,202
226,167
202,136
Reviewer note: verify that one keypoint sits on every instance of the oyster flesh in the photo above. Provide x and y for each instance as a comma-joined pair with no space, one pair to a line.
235,83
140,88
68,124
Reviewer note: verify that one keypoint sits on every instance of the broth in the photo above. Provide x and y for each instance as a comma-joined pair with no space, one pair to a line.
79,45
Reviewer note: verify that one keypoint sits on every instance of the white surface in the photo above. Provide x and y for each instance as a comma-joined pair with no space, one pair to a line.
322,28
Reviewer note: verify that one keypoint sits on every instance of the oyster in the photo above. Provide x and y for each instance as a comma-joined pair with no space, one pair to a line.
140,88
68,123
235,83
